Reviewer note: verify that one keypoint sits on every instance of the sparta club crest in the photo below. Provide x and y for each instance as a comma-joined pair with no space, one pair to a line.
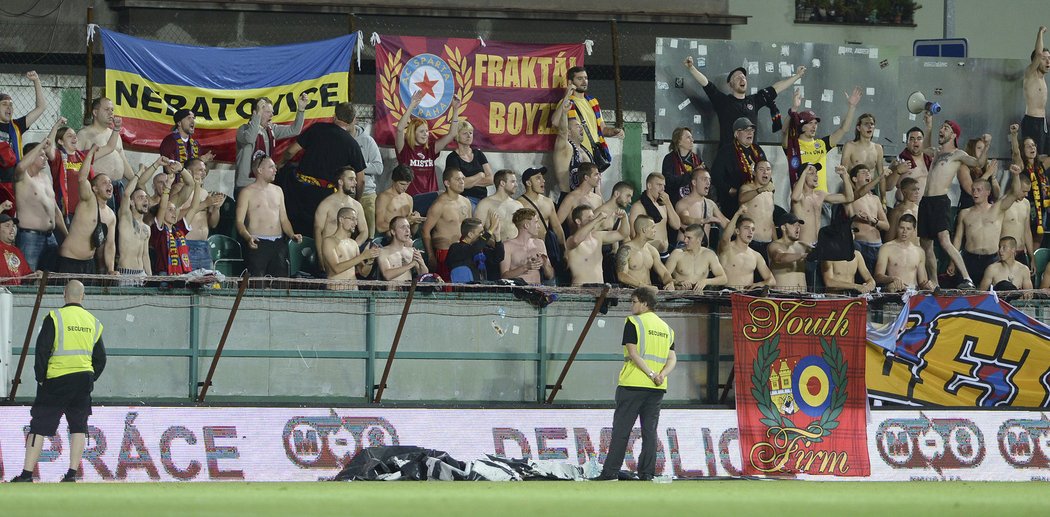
431,75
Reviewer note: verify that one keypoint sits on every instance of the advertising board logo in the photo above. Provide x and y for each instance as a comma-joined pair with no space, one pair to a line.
925,443
330,441
1025,443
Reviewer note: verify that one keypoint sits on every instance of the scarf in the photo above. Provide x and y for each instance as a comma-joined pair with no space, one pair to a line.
1040,192
746,158
906,156
263,141
794,154
685,166
597,114
187,149
651,209
178,252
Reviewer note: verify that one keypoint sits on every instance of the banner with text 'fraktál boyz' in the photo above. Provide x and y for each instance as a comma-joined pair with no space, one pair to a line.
964,351
800,386
509,90
149,80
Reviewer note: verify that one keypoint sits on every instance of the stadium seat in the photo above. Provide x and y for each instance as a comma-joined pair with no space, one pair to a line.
225,255
1042,256
302,257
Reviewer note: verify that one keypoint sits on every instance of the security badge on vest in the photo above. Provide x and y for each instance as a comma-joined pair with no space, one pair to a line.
654,345
76,332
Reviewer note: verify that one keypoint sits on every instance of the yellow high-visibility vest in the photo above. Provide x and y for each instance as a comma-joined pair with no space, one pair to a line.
76,332
655,338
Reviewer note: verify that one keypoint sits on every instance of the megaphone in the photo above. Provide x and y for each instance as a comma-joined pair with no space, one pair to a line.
917,104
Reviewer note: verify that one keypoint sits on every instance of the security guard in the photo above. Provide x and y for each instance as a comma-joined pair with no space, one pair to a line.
648,359
70,357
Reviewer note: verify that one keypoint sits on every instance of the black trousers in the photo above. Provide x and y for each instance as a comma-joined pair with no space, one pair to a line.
632,404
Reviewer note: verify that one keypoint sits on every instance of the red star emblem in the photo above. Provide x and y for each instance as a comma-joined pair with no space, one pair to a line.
427,85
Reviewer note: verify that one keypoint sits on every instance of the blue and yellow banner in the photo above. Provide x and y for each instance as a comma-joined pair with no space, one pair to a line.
965,351
149,80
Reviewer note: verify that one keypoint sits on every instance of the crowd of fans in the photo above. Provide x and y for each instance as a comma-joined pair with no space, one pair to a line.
72,203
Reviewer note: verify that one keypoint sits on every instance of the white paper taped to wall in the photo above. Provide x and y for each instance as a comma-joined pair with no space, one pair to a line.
701,49
752,67
692,44
683,104
809,104
836,120
696,119
674,43
869,91
785,50
770,67
815,63
828,96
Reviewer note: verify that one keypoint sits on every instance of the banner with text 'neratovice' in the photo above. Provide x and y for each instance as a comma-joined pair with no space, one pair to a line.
800,386
509,90
149,80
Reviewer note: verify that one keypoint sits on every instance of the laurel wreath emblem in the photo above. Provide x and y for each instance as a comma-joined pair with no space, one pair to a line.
389,84
768,353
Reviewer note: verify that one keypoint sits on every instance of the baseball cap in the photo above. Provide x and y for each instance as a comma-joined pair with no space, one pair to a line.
181,114
735,70
5,218
530,172
742,123
816,165
808,116
955,129
788,218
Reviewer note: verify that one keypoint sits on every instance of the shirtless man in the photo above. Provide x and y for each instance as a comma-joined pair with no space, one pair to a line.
441,228
864,150
398,259
115,165
738,259
902,263
1007,269
132,233
807,202
38,212
978,228
694,266
262,222
620,199
583,250
326,218
867,213
1016,221
78,251
201,217
637,258
586,193
534,198
501,203
395,201
840,276
696,208
909,204
343,259
915,158
787,255
935,205
1033,124
757,196
655,202
570,153
525,256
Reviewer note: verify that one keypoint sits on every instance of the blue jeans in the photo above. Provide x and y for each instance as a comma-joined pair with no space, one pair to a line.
200,257
39,249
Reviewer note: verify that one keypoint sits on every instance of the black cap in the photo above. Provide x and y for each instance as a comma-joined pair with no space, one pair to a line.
735,70
181,114
742,123
5,218
530,172
788,218
816,165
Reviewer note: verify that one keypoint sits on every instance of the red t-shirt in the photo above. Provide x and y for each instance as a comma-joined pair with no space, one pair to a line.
421,161
14,263
172,254
65,173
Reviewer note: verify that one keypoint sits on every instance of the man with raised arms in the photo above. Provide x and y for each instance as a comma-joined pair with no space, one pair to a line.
694,266
441,228
502,204
867,213
398,259
637,258
202,216
583,250
342,256
115,164
327,214
262,222
807,202
395,201
525,256
570,151
787,255
757,196
979,228
1033,124
934,208
915,158
39,215
133,234
171,253
656,204
863,150
696,208
91,233
738,259
902,263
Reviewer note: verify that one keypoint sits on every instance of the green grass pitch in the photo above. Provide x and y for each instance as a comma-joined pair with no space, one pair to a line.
702,498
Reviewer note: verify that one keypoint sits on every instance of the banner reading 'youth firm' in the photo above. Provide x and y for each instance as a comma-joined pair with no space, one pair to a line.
149,80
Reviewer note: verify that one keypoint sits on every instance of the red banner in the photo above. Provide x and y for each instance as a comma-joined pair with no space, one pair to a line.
509,90
800,386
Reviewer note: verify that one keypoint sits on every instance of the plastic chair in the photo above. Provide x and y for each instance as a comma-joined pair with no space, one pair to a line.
225,255
302,256
1042,257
